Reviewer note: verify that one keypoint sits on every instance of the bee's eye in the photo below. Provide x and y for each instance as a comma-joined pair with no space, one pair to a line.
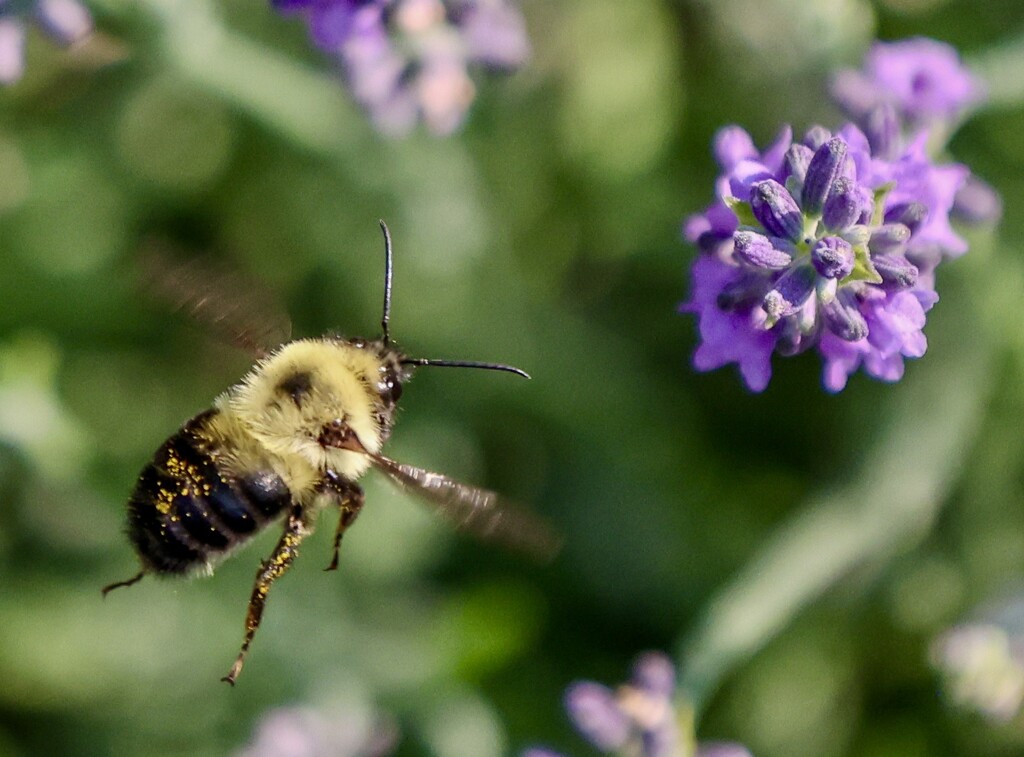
395,388
390,387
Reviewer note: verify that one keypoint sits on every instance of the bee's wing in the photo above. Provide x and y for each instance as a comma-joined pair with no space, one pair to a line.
237,309
478,512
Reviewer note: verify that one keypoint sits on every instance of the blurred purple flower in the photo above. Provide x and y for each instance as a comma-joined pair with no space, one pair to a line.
637,718
819,244
309,732
977,202
904,90
407,61
921,78
64,21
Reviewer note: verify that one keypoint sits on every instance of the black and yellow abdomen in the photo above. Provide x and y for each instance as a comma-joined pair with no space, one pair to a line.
186,510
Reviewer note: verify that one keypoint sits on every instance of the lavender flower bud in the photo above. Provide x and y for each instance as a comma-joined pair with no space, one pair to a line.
845,205
796,160
833,257
776,209
789,293
977,202
910,214
889,238
756,250
816,136
654,674
826,166
882,128
597,715
843,318
896,271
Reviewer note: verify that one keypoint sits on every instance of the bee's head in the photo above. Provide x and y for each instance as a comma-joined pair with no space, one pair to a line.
393,367
391,371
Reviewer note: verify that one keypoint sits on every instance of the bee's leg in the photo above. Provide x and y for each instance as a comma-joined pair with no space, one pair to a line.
118,584
270,570
350,503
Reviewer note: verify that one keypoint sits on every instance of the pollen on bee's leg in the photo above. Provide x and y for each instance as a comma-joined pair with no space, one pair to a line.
270,570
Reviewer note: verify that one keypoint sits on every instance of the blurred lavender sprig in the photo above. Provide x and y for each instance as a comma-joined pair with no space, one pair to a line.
831,242
922,80
408,61
639,718
64,21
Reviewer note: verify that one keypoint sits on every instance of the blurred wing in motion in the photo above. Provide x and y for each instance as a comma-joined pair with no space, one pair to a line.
237,309
475,511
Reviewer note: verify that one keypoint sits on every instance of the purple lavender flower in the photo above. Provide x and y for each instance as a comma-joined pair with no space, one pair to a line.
64,21
407,61
922,79
636,718
820,245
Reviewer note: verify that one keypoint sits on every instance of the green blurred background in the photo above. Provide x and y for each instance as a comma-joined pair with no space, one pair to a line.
796,552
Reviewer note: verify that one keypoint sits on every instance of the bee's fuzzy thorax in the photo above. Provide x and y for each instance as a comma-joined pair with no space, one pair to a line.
286,399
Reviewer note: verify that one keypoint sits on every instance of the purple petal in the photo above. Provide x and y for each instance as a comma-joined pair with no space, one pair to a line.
655,674
977,202
733,144
495,35
12,51
775,153
596,714
64,21
727,336
924,77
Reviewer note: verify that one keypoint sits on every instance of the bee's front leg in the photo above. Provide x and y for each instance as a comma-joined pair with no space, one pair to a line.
350,498
270,570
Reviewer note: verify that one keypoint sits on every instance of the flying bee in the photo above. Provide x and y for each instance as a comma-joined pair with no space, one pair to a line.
289,440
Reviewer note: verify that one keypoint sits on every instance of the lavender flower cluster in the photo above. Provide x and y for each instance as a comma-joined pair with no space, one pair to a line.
638,717
830,242
407,61
64,21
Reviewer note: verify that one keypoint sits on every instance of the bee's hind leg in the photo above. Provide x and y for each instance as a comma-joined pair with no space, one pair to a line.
118,584
350,503
270,570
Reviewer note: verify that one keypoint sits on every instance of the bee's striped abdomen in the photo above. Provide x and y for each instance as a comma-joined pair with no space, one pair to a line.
185,510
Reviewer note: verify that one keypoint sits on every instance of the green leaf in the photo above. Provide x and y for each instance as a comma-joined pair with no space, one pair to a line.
743,212
863,268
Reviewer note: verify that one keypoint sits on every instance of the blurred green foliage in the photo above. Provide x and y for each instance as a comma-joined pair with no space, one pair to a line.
797,550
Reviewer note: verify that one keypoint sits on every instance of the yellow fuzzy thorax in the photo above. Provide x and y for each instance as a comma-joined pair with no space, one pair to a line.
340,380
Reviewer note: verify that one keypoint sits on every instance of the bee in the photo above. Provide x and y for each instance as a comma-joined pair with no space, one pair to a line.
288,441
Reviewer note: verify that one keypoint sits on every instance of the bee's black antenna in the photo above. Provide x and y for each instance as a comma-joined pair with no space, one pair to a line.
387,282
465,364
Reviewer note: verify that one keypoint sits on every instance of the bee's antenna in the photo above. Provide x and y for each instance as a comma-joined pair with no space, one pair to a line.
464,364
387,282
